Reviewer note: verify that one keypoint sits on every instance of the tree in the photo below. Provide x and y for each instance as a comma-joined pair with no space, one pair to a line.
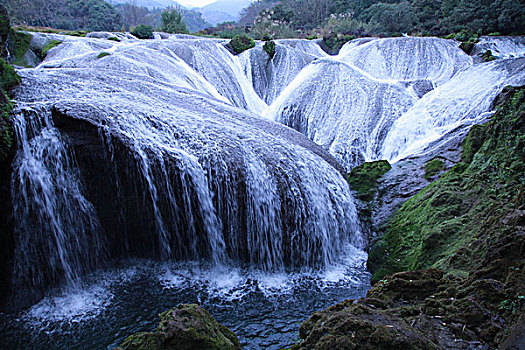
172,21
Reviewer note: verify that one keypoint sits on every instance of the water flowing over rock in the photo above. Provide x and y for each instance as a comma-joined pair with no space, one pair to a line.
155,162
342,109
463,101
408,59
268,76
376,99
501,46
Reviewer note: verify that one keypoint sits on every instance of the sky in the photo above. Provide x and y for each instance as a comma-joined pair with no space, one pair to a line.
195,3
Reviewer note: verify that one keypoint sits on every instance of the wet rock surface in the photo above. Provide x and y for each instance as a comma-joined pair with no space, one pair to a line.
466,230
186,327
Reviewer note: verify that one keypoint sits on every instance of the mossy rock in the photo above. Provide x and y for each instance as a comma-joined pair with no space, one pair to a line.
359,324
433,167
21,43
487,56
363,178
186,327
269,48
241,43
466,47
49,46
103,54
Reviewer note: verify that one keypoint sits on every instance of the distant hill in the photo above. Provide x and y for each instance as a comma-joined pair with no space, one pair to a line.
223,10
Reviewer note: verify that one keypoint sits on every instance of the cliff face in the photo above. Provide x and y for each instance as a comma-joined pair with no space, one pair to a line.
469,228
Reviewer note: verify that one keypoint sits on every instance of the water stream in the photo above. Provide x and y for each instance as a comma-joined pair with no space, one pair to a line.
161,173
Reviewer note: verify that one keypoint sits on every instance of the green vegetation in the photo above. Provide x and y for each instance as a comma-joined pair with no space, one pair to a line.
21,43
112,38
487,56
172,21
8,77
8,80
433,167
143,32
385,18
363,178
188,326
332,43
241,43
269,48
103,54
453,222
49,46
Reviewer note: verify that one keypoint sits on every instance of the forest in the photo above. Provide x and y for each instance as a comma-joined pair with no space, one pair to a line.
290,18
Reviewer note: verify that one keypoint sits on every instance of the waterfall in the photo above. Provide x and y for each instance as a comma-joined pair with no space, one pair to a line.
392,98
341,108
58,236
462,101
165,161
501,46
268,76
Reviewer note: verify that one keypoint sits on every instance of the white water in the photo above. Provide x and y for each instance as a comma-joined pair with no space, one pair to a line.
501,46
375,100
218,182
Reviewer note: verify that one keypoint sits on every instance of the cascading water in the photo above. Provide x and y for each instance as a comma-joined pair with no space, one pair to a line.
375,100
342,109
58,235
156,150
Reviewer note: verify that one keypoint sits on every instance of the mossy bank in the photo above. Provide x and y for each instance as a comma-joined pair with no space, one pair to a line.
449,271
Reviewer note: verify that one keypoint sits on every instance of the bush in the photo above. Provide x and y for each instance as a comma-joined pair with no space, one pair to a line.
143,32
241,43
8,76
269,47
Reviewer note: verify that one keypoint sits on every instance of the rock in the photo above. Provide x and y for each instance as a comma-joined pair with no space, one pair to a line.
358,324
186,327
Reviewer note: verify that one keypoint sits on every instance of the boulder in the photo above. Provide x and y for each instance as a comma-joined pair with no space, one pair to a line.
185,327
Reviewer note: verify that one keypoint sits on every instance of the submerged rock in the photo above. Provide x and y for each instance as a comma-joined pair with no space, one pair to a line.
185,327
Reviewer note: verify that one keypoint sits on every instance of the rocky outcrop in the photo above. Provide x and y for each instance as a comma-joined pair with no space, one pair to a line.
186,327
467,232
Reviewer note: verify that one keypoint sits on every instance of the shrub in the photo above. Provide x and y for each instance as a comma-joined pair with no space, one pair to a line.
241,43
142,32
269,47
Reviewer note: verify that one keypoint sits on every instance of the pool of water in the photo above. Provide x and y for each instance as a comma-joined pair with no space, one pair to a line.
264,309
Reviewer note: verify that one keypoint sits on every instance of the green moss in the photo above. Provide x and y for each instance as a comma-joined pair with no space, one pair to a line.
112,38
186,327
363,178
49,46
269,48
8,76
433,167
487,56
21,43
241,43
451,223
103,54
